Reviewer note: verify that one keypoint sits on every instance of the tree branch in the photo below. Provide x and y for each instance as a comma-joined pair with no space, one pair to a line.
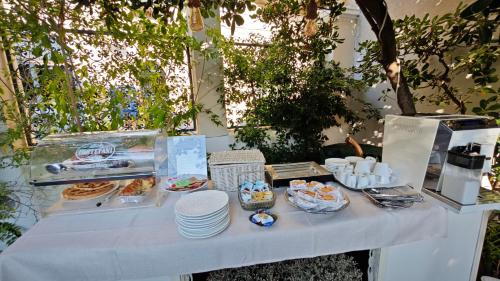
68,74
375,11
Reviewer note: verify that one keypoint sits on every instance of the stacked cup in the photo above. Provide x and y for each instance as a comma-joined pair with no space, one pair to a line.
358,172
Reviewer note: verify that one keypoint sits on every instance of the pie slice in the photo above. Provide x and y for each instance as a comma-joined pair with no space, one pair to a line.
93,185
84,191
138,187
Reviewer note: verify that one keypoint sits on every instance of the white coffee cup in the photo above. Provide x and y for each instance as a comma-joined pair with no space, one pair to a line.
342,176
354,159
351,180
363,181
372,180
363,167
333,164
382,169
373,160
349,169
383,179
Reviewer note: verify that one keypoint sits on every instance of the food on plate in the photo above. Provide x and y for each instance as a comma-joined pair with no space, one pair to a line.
255,192
306,194
262,196
263,218
185,183
268,195
260,186
88,190
297,184
314,185
138,187
327,189
327,197
315,195
304,203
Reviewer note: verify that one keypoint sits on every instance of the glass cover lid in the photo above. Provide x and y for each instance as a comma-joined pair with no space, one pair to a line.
69,158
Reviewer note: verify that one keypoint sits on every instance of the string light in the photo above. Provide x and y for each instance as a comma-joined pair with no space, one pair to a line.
195,18
261,3
149,12
311,27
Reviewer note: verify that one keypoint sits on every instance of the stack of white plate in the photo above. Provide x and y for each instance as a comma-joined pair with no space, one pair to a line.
332,164
202,214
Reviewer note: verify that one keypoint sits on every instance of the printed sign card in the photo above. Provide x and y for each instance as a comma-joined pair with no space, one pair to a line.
187,155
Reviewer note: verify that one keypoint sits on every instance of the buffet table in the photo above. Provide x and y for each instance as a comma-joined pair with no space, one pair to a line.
144,243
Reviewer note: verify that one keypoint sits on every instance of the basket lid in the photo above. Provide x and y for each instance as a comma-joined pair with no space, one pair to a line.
236,156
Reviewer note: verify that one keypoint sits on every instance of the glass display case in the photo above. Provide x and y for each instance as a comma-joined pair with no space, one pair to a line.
97,171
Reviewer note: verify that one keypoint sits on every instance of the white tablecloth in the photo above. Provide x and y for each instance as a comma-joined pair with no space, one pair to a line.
144,243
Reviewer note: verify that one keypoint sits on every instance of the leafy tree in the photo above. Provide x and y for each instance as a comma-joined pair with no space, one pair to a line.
90,66
9,232
290,85
436,52
77,67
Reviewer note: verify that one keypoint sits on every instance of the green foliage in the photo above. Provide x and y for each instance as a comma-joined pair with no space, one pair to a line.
126,52
290,85
9,232
81,63
327,268
438,51
491,247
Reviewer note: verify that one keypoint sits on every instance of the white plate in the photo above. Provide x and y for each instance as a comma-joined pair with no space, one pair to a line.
319,210
203,218
201,203
205,230
207,235
167,183
204,234
201,223
202,226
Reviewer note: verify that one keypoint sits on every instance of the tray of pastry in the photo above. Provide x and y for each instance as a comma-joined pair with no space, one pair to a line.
96,171
104,195
281,174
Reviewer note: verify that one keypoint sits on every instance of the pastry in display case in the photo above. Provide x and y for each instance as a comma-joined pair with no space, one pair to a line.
88,172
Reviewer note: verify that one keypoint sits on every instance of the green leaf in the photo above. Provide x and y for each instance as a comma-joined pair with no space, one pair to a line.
494,107
56,57
483,104
238,19
477,110
37,51
233,27
485,33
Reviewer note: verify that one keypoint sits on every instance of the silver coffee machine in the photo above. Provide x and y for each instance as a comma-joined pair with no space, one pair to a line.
443,153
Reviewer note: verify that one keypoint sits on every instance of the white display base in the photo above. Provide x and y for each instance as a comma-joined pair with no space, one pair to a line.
454,258
487,202
62,207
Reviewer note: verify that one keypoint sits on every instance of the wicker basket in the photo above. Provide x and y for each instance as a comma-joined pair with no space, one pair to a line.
228,167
